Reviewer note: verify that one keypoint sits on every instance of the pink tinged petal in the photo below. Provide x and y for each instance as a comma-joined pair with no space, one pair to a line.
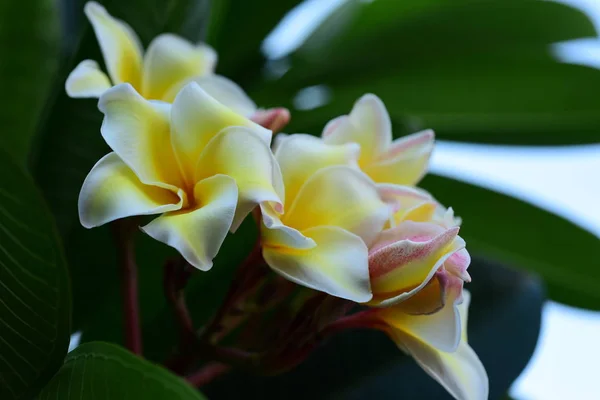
120,45
458,263
274,119
405,162
368,124
405,259
337,265
138,131
112,191
171,61
199,233
300,156
276,234
242,154
339,196
196,118
87,80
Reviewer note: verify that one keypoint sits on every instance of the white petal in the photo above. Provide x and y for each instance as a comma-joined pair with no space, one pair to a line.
228,93
112,191
300,156
138,130
240,153
339,196
368,124
87,80
337,265
199,233
120,45
170,62
196,118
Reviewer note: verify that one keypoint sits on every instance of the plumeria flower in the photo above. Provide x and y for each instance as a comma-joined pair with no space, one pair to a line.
402,161
169,63
333,213
444,355
196,163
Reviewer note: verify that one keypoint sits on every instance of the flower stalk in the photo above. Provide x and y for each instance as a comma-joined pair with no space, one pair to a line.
123,232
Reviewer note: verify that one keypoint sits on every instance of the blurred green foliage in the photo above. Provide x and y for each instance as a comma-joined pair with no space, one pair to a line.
478,71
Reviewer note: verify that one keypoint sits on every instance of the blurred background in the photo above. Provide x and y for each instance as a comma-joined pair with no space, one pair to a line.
512,89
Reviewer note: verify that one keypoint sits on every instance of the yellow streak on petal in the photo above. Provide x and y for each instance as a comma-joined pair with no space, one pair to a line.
87,80
170,61
119,44
199,233
112,191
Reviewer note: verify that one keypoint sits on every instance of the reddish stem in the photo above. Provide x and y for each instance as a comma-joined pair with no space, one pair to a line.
363,319
176,275
123,232
207,373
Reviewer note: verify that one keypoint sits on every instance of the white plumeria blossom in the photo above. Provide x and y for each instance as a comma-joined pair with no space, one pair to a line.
169,63
196,163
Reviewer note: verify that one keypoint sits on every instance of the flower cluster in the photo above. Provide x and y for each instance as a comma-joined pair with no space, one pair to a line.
339,214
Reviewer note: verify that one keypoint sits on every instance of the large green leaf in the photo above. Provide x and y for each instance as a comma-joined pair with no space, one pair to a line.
504,323
426,61
105,371
237,30
28,54
34,288
71,144
512,231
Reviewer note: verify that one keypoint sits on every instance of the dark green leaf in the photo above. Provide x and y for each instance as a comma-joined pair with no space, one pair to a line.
71,144
237,30
519,234
504,323
29,52
34,288
426,60
105,371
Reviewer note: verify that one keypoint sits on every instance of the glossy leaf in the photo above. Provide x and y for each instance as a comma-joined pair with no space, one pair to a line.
34,288
237,30
504,324
71,144
564,255
104,371
29,53
427,62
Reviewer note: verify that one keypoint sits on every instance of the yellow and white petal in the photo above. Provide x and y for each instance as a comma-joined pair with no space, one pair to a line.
339,196
368,124
224,90
240,153
275,234
440,330
170,61
196,118
406,161
198,233
138,130
460,372
87,80
337,265
405,258
411,204
112,191
300,156
120,45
